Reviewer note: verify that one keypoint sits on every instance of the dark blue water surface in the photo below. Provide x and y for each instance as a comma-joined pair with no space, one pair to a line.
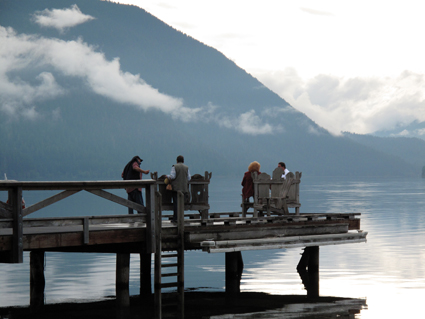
388,271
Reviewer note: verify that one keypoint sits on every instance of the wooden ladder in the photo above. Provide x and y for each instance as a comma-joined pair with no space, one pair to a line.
169,264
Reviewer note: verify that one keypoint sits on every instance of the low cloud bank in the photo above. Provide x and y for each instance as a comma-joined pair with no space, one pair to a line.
359,105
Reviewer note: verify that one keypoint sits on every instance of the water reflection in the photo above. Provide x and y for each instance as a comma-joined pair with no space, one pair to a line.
388,269
91,275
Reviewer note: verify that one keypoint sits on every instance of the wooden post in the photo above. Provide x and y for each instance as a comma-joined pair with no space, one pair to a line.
234,269
37,282
308,269
158,248
86,230
297,192
145,275
205,212
122,279
150,218
244,208
180,267
254,177
15,199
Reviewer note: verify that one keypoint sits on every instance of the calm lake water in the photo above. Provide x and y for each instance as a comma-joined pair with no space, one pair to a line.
388,271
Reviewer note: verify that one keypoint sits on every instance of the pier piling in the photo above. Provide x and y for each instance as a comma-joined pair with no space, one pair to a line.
234,268
122,279
37,281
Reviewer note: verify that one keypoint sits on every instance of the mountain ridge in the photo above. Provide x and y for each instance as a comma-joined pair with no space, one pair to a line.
227,119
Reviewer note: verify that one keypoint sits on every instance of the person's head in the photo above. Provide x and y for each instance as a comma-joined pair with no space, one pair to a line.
254,167
180,159
137,158
281,165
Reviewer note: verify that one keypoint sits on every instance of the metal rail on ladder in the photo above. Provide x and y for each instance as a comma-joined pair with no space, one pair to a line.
173,261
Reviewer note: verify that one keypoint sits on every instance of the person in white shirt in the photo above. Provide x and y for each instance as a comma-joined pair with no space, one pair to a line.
179,178
283,167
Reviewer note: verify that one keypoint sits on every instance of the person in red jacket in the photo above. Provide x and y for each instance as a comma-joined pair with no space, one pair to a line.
247,182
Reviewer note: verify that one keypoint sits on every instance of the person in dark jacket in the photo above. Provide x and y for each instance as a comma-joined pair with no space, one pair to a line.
132,171
179,177
247,182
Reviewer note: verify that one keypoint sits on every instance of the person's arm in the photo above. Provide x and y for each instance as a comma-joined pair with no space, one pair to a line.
138,169
172,173
188,175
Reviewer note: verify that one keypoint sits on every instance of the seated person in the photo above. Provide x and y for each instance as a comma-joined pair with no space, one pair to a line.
247,182
284,169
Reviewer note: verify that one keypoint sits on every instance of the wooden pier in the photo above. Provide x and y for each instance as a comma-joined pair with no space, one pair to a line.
152,232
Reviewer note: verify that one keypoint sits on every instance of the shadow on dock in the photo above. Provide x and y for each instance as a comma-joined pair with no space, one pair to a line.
212,305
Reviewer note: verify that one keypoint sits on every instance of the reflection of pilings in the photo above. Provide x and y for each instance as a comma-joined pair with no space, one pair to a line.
234,269
37,282
145,274
308,269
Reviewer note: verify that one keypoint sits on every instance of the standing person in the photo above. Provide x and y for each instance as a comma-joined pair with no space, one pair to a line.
283,167
247,182
132,171
179,177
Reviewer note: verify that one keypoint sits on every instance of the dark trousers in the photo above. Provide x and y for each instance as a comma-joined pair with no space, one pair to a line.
135,196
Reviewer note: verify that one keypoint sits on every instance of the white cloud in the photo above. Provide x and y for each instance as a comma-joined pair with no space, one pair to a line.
421,132
404,133
75,58
71,58
16,95
361,105
80,60
248,123
61,19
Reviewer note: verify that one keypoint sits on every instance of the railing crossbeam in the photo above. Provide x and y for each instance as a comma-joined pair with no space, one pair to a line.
117,199
48,201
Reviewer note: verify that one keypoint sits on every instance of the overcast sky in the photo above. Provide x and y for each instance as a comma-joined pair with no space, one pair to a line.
349,65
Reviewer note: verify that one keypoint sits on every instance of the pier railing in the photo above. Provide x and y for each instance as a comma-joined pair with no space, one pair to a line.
12,212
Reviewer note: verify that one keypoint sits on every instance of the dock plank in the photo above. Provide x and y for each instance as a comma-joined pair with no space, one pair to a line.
111,233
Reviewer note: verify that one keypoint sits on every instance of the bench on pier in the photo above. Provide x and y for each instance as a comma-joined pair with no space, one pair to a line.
197,199
274,195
